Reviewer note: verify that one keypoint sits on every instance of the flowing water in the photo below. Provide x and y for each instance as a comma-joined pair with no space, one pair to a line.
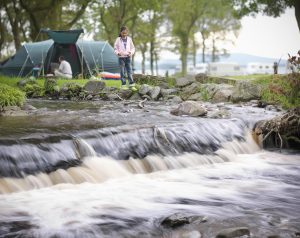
111,169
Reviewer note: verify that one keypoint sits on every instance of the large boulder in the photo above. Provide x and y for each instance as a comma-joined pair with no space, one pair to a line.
196,97
155,93
190,108
145,89
245,90
234,232
223,93
125,93
94,86
201,78
187,91
169,91
184,81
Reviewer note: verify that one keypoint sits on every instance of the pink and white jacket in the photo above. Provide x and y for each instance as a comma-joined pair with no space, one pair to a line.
119,47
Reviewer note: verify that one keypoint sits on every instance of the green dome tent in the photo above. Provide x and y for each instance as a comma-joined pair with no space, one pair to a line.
85,57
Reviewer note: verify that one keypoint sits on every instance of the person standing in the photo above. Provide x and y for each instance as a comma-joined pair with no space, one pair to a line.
275,67
64,70
124,49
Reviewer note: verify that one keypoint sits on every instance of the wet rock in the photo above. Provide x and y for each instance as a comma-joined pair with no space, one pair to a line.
261,104
135,96
190,108
89,97
196,97
13,111
155,93
163,85
94,86
189,90
125,93
220,114
175,99
223,93
234,232
201,78
169,91
175,220
28,107
245,90
184,81
180,219
271,108
145,89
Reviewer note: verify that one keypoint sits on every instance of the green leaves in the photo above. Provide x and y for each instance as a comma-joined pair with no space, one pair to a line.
10,96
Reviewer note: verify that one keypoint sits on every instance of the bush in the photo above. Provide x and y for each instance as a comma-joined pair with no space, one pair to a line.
71,90
50,86
24,82
33,90
10,96
282,89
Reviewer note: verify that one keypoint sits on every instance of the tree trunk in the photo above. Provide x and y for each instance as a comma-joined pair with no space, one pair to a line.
156,63
297,12
203,50
2,35
143,61
213,53
14,22
184,53
194,51
152,56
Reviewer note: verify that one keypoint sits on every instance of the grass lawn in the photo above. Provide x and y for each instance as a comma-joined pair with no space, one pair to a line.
253,77
13,81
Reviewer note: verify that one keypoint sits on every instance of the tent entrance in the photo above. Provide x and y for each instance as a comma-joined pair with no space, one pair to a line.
69,52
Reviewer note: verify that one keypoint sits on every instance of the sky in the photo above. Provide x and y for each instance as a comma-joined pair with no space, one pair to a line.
264,36
269,37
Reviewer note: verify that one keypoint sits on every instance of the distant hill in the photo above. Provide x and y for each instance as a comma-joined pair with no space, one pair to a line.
242,59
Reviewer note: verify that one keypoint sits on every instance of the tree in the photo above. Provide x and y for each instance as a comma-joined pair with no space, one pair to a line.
271,8
23,19
183,14
112,14
215,26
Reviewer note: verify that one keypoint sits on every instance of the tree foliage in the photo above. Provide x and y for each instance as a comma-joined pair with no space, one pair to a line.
270,8
148,22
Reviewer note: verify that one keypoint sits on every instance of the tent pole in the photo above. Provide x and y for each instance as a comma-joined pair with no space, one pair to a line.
102,55
28,56
82,59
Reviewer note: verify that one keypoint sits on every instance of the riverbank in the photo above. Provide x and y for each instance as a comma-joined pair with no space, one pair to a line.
278,90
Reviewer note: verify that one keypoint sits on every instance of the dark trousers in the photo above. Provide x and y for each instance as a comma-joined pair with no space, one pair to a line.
125,64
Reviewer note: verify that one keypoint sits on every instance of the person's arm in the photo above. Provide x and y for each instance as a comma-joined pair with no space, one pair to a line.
132,48
61,67
117,47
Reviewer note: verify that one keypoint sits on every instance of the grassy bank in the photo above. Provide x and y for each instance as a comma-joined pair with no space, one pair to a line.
10,96
277,89
13,82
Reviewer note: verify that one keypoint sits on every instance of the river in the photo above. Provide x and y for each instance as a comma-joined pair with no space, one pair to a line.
112,169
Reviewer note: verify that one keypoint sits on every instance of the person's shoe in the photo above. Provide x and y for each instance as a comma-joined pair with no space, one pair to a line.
124,87
132,87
